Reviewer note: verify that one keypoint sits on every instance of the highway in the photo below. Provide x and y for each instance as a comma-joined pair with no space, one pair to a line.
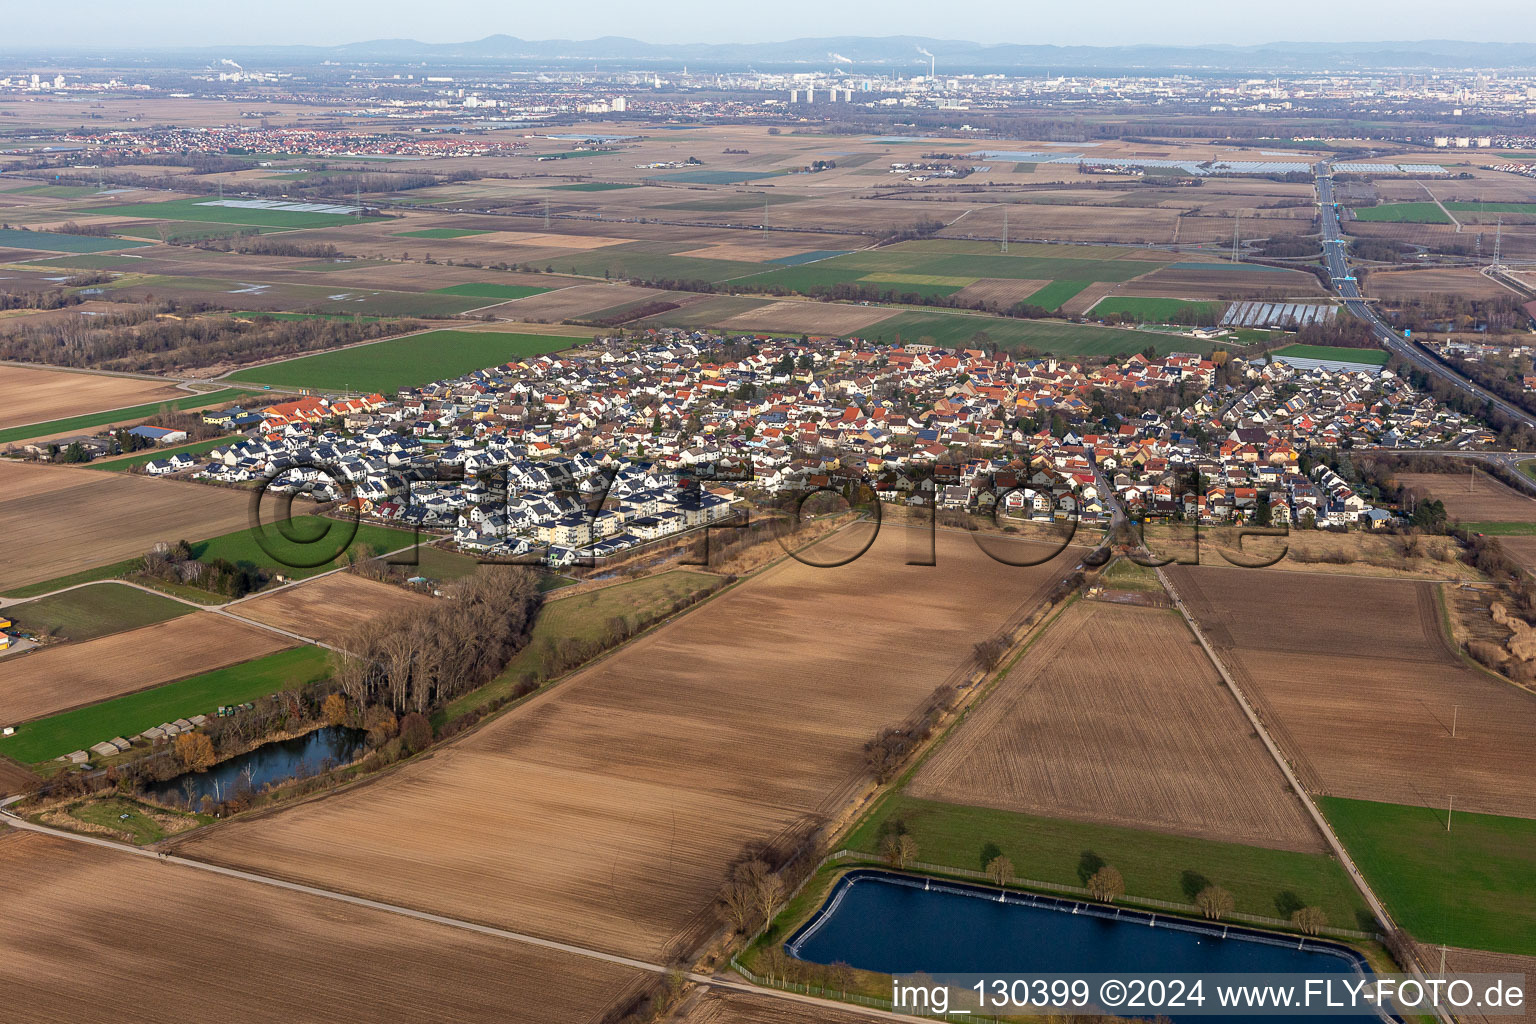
1336,259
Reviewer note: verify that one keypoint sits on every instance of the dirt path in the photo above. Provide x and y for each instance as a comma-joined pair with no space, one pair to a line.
1443,210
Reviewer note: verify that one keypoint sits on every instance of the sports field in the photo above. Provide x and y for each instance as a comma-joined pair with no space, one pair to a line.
1369,356
199,209
1403,213
200,694
50,241
388,366
1469,885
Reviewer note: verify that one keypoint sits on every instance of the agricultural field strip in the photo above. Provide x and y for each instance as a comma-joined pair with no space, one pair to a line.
713,981
1372,900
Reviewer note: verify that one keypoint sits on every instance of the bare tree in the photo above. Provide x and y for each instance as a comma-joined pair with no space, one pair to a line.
900,850
989,653
735,904
1106,884
1215,902
1000,870
1310,920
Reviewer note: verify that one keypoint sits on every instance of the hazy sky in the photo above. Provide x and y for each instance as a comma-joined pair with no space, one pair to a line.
140,23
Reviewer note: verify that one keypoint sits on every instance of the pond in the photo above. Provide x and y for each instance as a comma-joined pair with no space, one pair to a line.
268,763
895,924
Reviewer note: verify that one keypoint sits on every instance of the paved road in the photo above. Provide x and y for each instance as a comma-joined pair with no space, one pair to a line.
1336,259
172,860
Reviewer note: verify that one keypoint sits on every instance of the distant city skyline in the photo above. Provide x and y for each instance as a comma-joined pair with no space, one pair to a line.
97,24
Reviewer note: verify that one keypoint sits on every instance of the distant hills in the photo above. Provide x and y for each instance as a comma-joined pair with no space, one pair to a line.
871,55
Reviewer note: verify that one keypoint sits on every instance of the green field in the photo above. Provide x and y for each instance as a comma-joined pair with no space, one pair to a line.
572,154
1502,529
1265,882
1403,213
48,241
1470,886
186,231
121,465
127,716
1054,294
439,233
592,186
1151,310
128,415
95,575
1368,356
197,210
313,538
636,261
584,617
492,291
94,611
417,359
121,815
1529,209
340,317
1052,336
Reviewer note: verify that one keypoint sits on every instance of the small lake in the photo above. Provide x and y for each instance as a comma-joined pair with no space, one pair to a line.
268,763
893,924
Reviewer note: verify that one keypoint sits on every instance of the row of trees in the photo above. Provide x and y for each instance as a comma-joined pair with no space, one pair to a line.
143,337
418,660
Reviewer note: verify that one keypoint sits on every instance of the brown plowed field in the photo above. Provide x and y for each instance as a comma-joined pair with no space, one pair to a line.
68,675
1005,291
605,811
1474,496
58,520
1116,716
330,607
168,943
808,317
1356,682
718,1006
1408,284
32,396
1216,284
578,301
1475,961
1084,300
15,778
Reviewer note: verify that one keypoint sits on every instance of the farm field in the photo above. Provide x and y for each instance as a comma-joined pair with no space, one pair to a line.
584,617
1410,284
112,516
1474,496
52,241
1403,213
301,957
1357,683
1314,551
195,695
1469,886
661,761
416,359
503,292
94,611
312,539
1087,727
29,395
1481,962
1051,336
817,318
1054,294
113,417
202,208
720,1006
329,608
1155,865
65,676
